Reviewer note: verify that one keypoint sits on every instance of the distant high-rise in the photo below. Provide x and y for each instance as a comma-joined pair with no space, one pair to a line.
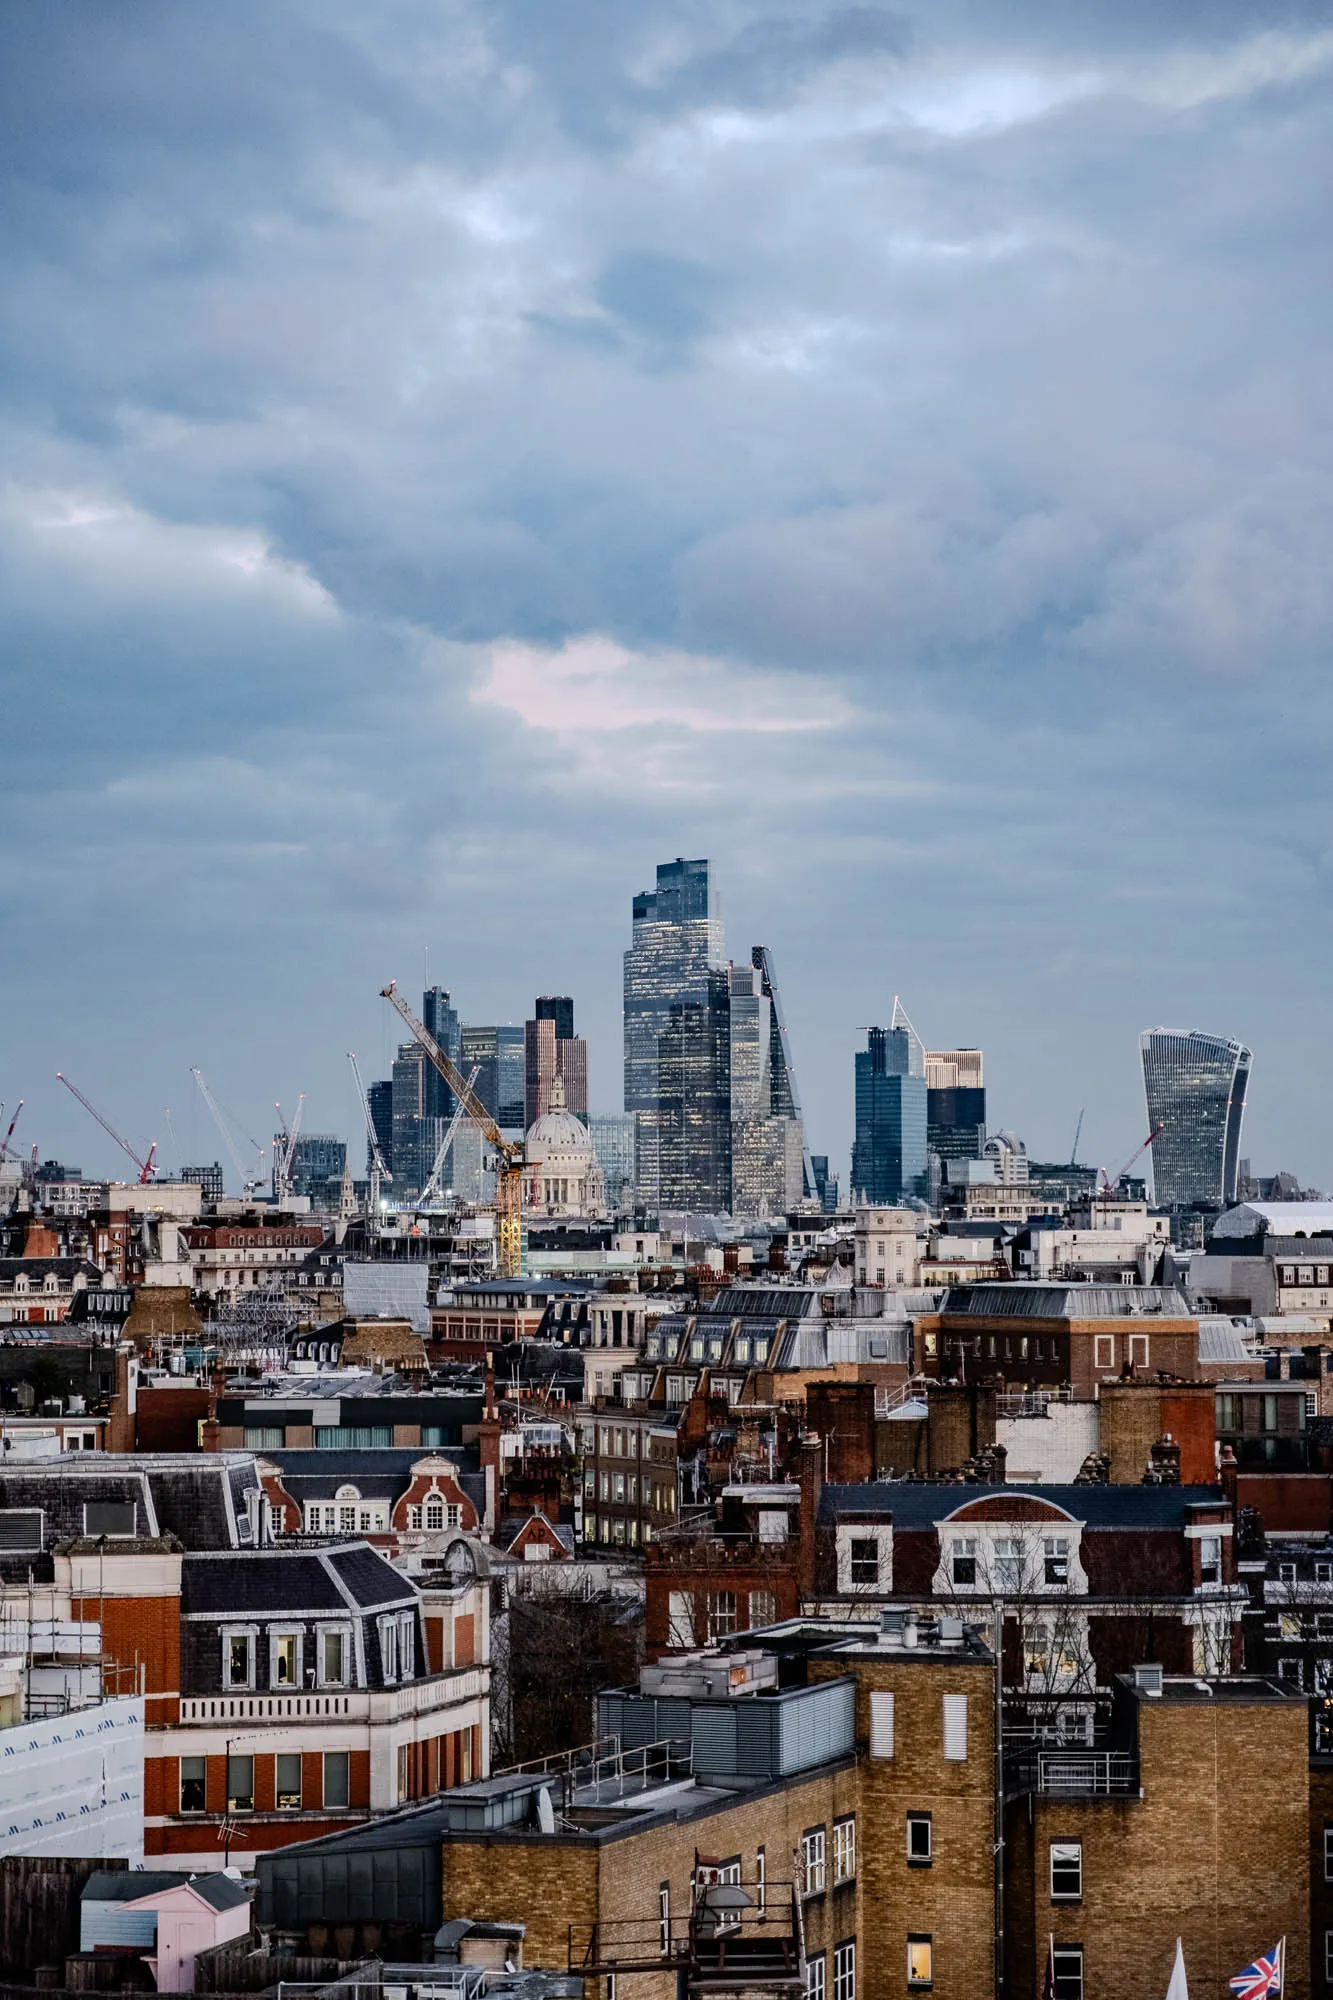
889,1157
955,1104
692,1121
380,1099
441,1018
612,1135
497,1054
767,1175
550,1050
410,1167
1194,1085
675,983
317,1159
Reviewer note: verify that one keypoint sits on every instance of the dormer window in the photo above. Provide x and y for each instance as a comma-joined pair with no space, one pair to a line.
434,1512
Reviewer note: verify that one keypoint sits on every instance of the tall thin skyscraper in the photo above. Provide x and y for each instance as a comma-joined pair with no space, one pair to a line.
1194,1085
693,1115
551,1049
441,1018
674,962
889,1157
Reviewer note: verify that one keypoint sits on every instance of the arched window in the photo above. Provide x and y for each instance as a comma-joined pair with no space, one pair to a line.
435,1511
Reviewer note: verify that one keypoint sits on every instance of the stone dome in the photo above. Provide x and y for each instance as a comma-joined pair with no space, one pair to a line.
561,1174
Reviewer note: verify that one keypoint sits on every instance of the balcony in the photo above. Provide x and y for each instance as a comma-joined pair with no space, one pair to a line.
437,1691
1073,1773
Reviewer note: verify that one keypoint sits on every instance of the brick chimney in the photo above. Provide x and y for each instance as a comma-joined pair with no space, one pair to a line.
810,1472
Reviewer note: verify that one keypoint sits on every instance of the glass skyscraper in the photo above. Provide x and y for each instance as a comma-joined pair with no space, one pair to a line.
1195,1088
889,1156
676,985
498,1056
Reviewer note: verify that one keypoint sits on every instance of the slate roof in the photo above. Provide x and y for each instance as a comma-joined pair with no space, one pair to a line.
921,1503
224,1892
377,1475
283,1580
1057,1301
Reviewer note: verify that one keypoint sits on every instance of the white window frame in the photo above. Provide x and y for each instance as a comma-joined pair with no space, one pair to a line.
250,1633
844,1970
1103,1350
342,1631
919,1985
1328,1957
881,1533
275,1638
1062,1980
814,1859
814,1976
916,1819
388,1631
407,1646
844,1849
1068,1853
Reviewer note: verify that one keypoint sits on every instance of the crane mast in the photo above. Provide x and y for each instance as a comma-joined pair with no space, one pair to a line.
248,1181
146,1167
284,1150
509,1155
378,1170
432,1187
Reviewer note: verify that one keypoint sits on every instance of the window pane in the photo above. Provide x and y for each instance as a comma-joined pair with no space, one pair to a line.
193,1784
284,1660
240,1784
336,1792
238,1662
287,1780
918,1961
333,1658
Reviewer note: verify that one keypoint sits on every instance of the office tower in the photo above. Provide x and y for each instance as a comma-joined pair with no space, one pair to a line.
409,1120
955,1104
674,961
612,1136
560,1009
380,1099
691,1123
441,1018
889,1157
207,1179
1195,1088
317,1159
767,1175
826,1184
481,1053
783,1099
551,1049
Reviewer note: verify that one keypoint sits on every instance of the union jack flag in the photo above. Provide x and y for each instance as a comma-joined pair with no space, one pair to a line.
1261,1979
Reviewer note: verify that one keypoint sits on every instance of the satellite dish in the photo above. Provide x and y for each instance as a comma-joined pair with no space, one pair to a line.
546,1812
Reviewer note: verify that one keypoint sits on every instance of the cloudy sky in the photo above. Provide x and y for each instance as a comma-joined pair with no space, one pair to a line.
456,455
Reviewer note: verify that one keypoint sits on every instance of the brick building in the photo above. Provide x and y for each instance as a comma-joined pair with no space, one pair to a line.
1049,1334
1195,1823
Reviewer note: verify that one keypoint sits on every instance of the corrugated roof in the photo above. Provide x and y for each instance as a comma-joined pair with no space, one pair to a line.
397,1290
1220,1340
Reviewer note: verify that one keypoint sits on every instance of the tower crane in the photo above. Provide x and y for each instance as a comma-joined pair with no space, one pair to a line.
378,1171
1078,1134
1137,1154
284,1150
146,1167
248,1182
509,1154
432,1187
6,1150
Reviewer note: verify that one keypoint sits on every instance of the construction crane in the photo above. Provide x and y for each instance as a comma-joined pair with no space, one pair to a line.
432,1187
1137,1154
509,1153
284,1150
1078,1134
249,1182
146,1167
6,1151
378,1171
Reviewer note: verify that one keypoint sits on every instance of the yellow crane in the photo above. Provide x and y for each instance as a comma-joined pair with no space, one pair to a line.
509,1153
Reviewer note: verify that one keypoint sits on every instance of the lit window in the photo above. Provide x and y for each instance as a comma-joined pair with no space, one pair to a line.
1066,1871
284,1660
919,1957
918,1839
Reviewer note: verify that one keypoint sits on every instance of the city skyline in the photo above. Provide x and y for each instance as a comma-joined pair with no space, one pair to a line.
936,568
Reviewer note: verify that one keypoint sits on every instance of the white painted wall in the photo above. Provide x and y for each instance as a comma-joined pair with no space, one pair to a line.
1048,1450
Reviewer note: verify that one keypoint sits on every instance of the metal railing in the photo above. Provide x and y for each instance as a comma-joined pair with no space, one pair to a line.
356,1704
1029,1402
1074,1773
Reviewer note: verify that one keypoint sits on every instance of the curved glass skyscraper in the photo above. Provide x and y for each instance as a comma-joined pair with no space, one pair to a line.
1195,1089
